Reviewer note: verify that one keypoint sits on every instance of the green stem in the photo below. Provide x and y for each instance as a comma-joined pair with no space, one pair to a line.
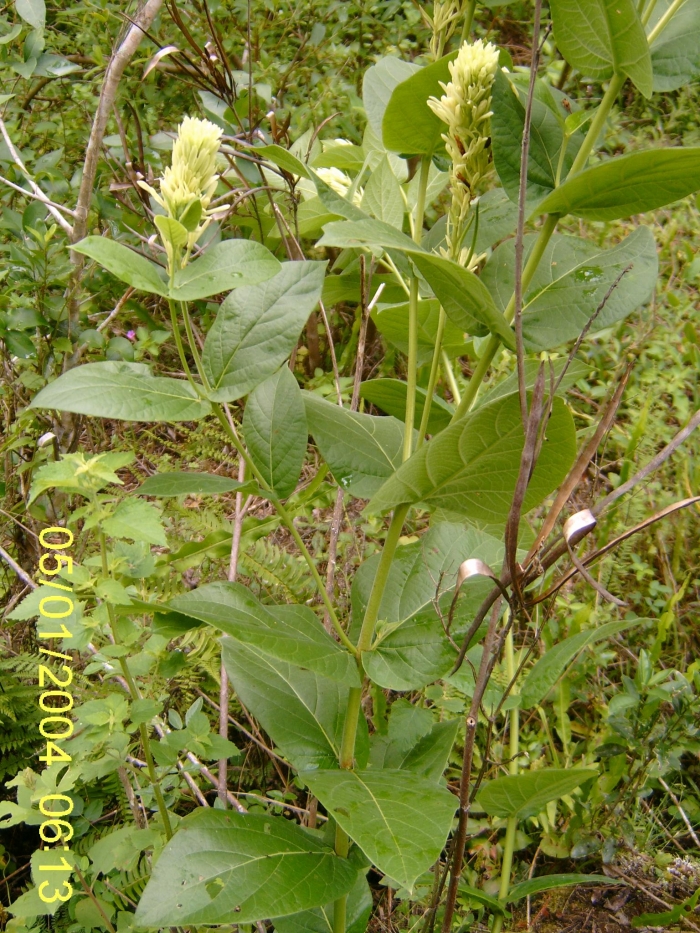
597,123
468,20
181,348
193,345
432,381
413,315
646,16
450,376
291,527
664,21
135,695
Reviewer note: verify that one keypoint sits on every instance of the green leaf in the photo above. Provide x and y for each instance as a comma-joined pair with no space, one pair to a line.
137,521
498,216
392,322
390,396
226,265
283,159
275,431
257,327
361,450
320,919
550,667
675,55
481,897
548,882
628,184
294,636
575,371
302,711
602,37
409,125
399,820
382,197
411,649
464,297
335,203
123,391
128,266
546,141
349,234
471,468
187,484
32,12
171,230
378,85
430,755
570,283
224,865
526,794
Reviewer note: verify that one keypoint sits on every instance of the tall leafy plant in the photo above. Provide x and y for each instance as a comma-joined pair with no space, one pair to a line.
476,465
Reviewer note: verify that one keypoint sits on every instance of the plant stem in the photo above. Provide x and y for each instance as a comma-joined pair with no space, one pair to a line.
135,695
432,381
413,315
664,21
181,348
468,20
597,123
513,751
291,527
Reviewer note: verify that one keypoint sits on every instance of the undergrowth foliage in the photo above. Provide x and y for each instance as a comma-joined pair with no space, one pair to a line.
362,488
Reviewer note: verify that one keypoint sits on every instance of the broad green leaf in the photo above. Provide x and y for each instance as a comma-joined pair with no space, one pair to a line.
411,649
32,12
464,297
550,667
123,391
675,55
382,197
348,158
223,865
685,909
471,468
390,396
128,266
302,711
526,794
137,521
378,85
548,882
392,322
546,141
226,265
602,37
399,820
320,919
346,287
275,431
361,450
349,234
187,484
283,159
570,283
430,755
628,184
575,371
409,125
335,203
297,637
257,327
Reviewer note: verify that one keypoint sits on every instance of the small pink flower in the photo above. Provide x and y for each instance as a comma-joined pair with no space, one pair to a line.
131,335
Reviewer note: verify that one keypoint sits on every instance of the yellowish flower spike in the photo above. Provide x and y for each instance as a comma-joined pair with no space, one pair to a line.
466,109
190,178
